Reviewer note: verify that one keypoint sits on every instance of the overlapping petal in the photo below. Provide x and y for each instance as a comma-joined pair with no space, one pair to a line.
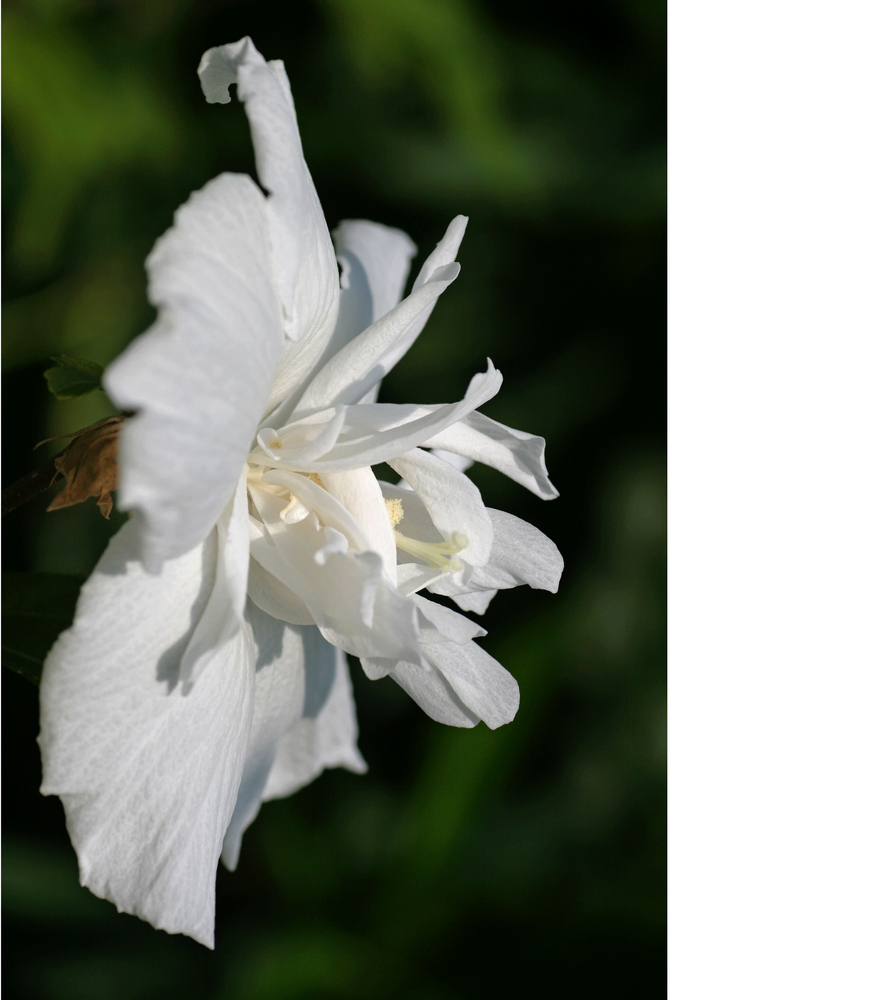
520,554
351,437
148,773
223,614
358,367
303,719
452,501
326,736
375,265
485,687
350,599
199,378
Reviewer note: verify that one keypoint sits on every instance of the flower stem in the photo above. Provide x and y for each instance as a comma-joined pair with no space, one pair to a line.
29,486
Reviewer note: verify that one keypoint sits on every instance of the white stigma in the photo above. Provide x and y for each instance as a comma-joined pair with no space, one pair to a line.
440,555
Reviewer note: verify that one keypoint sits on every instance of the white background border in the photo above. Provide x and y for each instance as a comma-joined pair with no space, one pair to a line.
771,505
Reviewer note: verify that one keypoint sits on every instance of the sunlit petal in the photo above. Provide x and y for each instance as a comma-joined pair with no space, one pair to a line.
147,771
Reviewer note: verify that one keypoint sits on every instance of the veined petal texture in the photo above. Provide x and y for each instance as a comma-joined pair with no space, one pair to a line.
199,378
148,773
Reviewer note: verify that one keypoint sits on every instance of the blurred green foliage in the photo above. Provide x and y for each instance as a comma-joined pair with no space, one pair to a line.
466,863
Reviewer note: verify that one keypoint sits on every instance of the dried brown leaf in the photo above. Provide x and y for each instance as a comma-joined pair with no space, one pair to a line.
90,466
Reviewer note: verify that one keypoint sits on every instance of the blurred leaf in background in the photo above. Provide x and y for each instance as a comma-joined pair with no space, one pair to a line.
466,863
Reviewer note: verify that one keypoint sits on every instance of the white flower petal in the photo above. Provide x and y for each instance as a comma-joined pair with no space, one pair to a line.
330,511
148,774
477,602
431,692
352,603
198,379
375,432
340,589
444,252
270,594
305,264
327,734
520,554
358,492
377,260
441,624
393,634
375,265
514,453
280,695
299,443
459,461
453,502
414,576
359,366
480,682
223,614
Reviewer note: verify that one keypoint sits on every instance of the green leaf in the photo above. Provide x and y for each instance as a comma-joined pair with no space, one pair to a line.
37,607
73,376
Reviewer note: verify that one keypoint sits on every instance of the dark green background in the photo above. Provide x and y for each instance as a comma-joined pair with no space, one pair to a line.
466,863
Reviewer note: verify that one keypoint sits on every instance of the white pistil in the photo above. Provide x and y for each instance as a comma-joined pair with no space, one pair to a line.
440,555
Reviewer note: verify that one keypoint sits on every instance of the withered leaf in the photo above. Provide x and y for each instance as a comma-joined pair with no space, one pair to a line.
90,466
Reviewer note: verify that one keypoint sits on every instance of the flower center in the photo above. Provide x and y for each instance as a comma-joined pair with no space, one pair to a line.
294,510
441,555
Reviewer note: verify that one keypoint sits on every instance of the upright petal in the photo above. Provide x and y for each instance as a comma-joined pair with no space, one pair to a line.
443,255
377,261
375,265
199,378
148,773
355,370
305,263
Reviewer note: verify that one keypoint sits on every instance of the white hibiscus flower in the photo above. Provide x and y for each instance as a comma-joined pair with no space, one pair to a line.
205,671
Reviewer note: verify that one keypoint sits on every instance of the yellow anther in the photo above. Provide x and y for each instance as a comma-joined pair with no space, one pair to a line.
394,506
